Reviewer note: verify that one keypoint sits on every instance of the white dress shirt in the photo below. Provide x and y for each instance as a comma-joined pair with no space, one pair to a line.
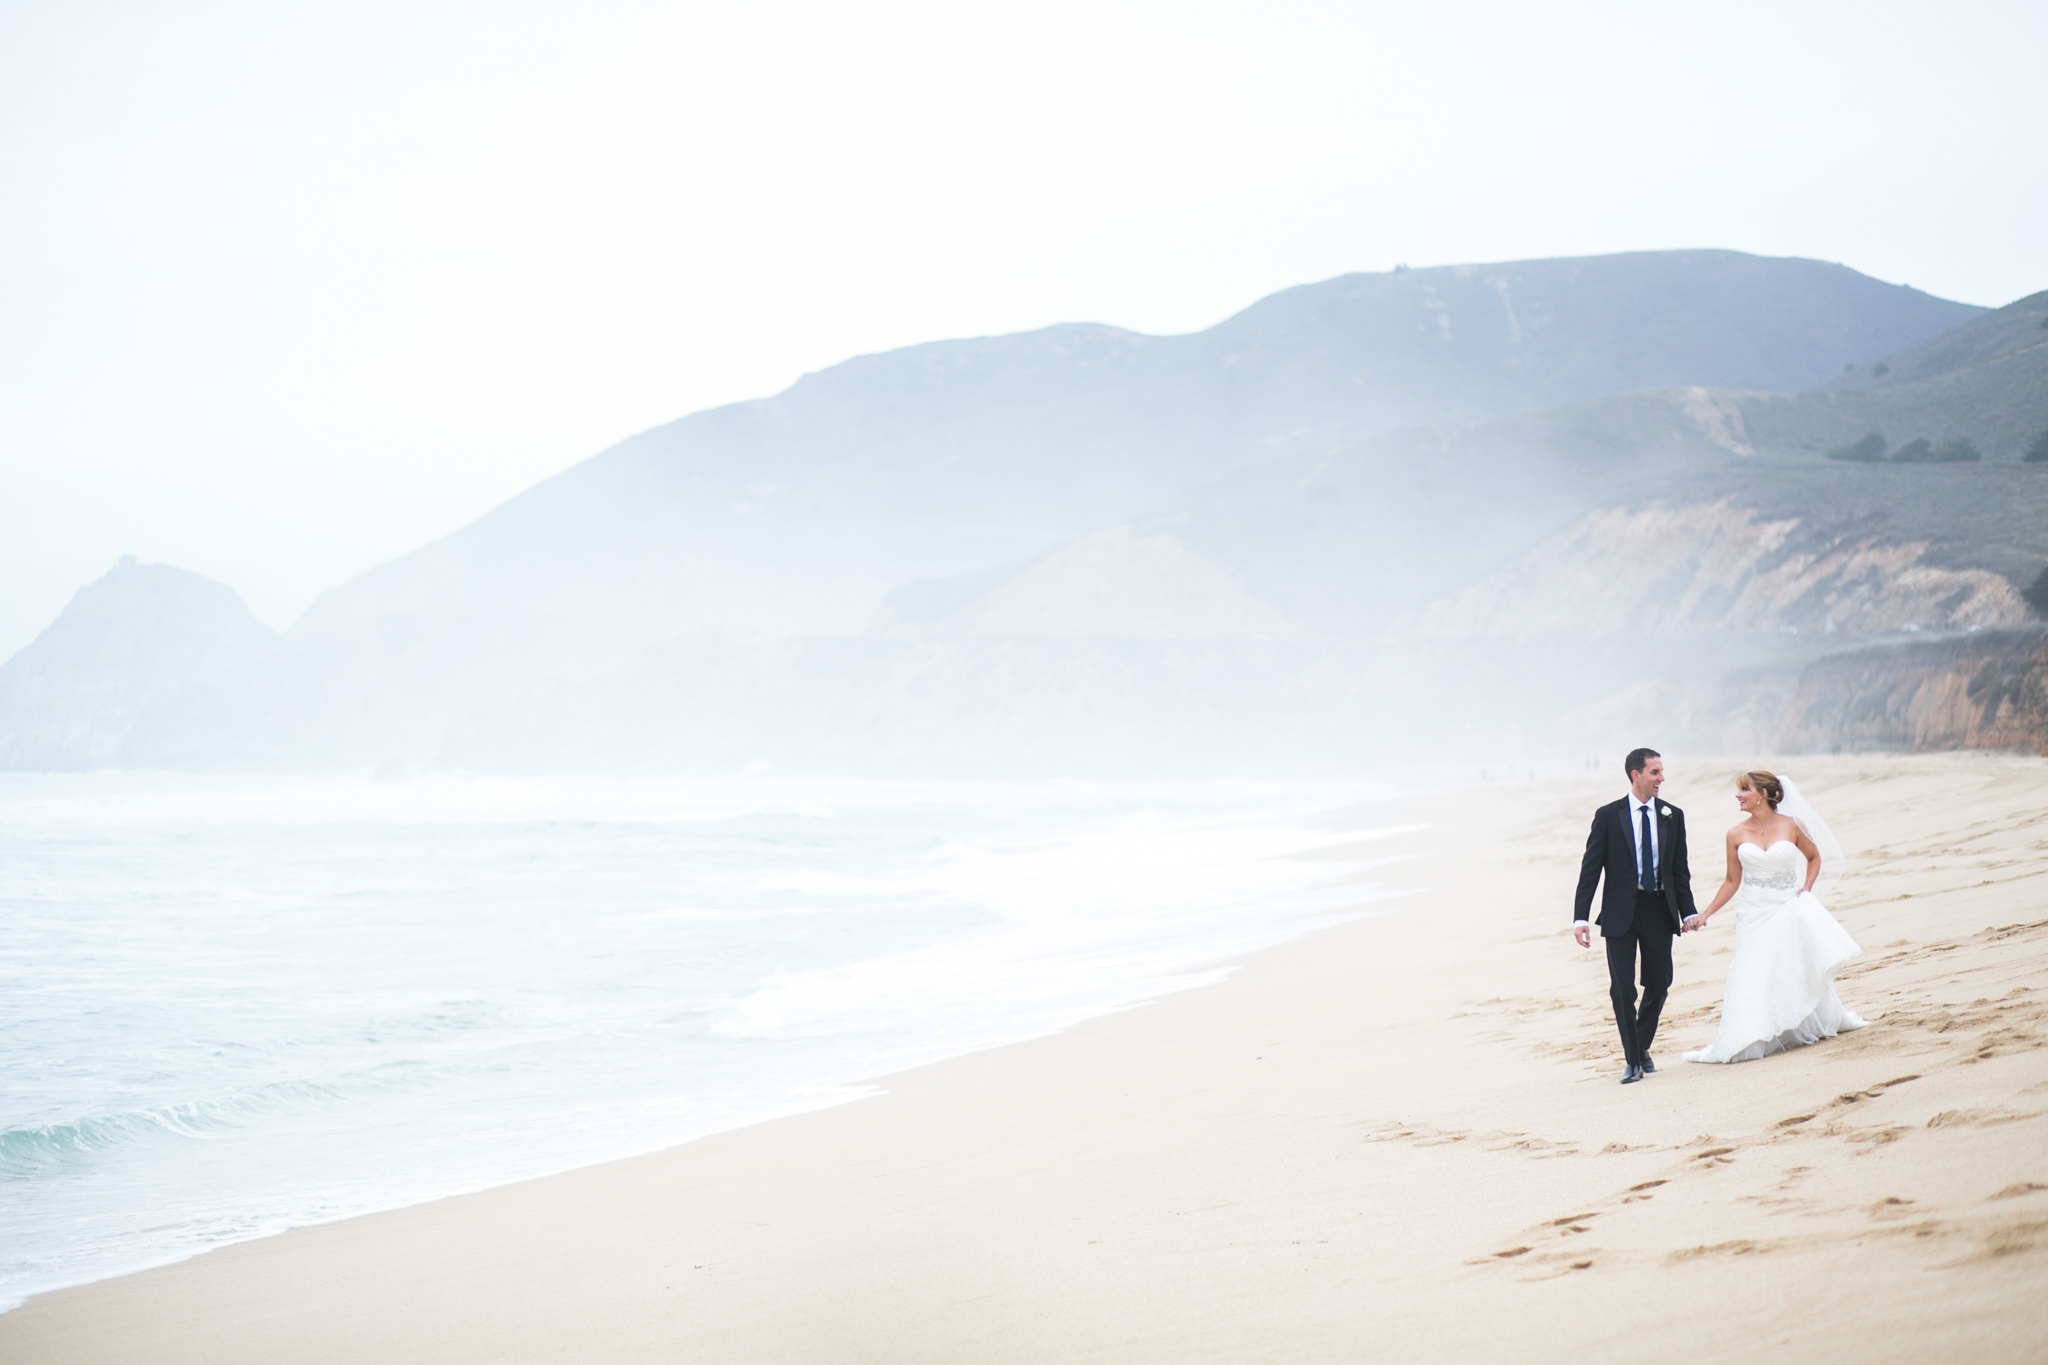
1635,834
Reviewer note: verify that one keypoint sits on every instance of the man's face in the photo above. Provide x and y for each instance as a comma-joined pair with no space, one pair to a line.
1649,779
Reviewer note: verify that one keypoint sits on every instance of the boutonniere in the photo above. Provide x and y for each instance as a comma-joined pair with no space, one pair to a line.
1667,812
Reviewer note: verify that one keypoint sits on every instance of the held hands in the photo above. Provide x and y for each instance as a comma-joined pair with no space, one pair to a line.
1693,923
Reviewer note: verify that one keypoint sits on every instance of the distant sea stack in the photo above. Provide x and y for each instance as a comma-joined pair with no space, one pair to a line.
142,634
1983,690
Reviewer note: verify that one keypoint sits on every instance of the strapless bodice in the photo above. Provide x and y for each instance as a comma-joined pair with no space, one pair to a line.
1774,872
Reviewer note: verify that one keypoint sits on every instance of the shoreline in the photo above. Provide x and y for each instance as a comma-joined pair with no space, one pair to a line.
1400,1131
1025,1001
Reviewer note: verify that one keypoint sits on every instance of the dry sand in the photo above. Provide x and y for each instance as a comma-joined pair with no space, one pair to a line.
1398,1140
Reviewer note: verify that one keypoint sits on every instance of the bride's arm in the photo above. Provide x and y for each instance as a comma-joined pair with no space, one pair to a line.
1728,884
1805,845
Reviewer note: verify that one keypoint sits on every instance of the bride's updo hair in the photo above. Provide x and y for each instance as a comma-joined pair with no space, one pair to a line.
1766,784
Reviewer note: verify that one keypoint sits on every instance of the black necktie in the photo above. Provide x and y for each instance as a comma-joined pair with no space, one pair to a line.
1648,879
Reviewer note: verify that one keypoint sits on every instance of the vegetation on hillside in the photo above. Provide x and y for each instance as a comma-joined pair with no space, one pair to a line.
2037,595
1956,450
1869,450
1959,450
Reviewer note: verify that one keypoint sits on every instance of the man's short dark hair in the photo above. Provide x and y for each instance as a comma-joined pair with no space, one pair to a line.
1637,760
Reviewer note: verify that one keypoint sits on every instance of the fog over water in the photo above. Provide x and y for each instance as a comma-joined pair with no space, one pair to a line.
228,1007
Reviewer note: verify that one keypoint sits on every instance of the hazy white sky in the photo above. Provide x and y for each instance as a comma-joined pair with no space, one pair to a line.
288,289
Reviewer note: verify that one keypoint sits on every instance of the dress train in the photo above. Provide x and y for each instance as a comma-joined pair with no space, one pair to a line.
1781,985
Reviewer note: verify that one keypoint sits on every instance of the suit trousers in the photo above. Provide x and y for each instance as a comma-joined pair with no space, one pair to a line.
1650,937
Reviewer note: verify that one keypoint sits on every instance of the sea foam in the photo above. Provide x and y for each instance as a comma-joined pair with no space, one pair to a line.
232,1006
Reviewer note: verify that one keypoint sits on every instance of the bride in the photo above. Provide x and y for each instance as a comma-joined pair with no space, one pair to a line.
1781,985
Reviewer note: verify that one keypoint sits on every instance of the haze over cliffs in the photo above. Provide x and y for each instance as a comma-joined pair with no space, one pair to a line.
795,513
1368,516
74,695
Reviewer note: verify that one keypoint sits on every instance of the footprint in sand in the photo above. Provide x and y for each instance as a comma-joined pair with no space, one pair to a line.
2024,1187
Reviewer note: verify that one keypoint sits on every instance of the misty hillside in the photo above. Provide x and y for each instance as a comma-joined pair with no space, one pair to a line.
142,634
1360,522
1985,382
796,514
1505,571
1519,585
1346,540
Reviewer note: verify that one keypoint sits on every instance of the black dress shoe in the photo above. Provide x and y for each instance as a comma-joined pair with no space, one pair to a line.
1632,1075
1649,1067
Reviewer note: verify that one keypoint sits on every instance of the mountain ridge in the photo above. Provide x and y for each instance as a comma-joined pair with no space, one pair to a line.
73,697
897,437
1084,545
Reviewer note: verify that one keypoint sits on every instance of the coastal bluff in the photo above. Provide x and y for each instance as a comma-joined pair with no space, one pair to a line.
1495,509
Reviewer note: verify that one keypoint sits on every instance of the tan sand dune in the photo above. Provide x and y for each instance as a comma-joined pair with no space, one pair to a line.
1398,1140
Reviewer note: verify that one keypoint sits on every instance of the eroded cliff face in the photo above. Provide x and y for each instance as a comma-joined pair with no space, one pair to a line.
1718,415
1983,690
1666,571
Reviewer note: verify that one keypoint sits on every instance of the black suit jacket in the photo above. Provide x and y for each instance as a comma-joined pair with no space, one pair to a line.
1611,848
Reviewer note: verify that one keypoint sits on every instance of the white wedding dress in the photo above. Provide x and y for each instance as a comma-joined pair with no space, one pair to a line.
1781,985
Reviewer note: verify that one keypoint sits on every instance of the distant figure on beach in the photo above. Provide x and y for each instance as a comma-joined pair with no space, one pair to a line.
1781,985
1638,843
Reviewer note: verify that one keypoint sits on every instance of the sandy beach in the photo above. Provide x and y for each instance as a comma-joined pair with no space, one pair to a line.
1401,1139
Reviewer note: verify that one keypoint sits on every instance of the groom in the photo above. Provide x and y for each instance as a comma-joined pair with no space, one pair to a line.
1639,842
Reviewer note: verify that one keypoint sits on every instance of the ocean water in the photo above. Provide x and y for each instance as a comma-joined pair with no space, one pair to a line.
234,1006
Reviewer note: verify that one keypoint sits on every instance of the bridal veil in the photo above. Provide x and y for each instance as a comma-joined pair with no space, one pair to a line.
1801,811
